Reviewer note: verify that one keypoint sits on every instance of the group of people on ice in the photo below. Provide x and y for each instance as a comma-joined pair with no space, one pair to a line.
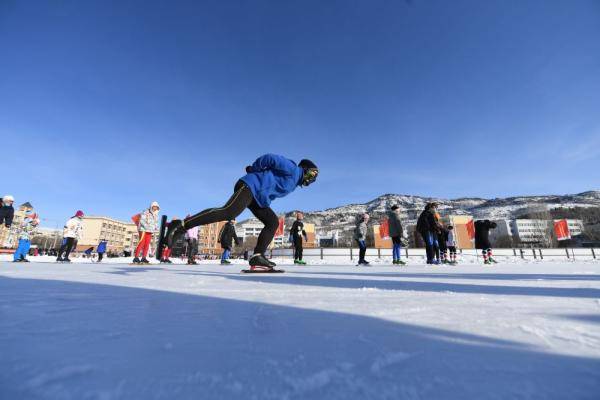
25,229
268,178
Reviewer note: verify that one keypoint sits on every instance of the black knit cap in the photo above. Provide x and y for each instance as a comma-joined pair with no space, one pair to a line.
307,164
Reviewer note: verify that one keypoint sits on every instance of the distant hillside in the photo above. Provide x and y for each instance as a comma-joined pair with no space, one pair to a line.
343,217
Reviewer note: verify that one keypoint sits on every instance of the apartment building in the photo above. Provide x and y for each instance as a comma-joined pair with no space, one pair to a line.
531,231
208,238
120,236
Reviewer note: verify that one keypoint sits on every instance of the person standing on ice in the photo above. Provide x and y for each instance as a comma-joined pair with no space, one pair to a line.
191,237
396,232
427,228
148,225
28,226
451,244
226,238
442,237
71,233
270,177
360,235
482,239
101,249
7,211
297,232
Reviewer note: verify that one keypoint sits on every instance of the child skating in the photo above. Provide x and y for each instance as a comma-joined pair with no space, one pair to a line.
28,226
451,244
270,177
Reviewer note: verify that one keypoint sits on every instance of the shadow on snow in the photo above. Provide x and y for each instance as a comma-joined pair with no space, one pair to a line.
63,339
443,287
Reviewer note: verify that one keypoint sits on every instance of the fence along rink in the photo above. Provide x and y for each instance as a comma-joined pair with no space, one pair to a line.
344,254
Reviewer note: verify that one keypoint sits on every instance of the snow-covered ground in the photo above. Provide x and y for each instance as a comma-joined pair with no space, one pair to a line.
114,331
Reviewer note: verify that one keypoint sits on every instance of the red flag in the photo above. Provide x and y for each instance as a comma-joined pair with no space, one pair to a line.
471,229
561,229
279,231
384,229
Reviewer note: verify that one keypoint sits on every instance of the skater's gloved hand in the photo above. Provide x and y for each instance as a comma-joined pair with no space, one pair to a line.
248,169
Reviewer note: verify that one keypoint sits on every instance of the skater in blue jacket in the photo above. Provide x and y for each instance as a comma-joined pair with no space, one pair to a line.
101,249
270,177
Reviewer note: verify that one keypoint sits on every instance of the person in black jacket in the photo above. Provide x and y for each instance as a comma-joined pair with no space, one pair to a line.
297,232
226,237
482,239
428,228
442,237
7,212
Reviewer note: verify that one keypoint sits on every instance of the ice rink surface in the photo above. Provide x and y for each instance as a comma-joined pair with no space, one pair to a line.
516,330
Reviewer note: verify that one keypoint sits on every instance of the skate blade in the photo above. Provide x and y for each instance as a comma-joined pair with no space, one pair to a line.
262,271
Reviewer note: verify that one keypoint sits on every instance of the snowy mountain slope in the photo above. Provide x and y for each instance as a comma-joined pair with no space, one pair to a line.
342,218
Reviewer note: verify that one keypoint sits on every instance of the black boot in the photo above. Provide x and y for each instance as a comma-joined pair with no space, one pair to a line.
136,260
144,260
258,260
175,230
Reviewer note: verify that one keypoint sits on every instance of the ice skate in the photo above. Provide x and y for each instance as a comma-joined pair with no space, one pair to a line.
260,264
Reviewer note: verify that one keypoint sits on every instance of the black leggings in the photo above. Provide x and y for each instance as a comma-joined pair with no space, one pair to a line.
66,248
241,199
298,247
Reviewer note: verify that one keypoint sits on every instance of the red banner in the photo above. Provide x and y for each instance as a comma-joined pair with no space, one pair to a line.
279,231
384,229
561,229
471,229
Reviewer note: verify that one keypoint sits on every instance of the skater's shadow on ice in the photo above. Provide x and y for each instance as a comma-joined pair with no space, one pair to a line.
474,276
594,318
131,343
131,270
589,293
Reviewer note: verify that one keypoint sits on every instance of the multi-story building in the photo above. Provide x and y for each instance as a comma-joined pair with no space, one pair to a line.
531,231
120,236
252,228
208,238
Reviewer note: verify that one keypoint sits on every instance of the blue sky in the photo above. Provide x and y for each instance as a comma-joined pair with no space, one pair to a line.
108,105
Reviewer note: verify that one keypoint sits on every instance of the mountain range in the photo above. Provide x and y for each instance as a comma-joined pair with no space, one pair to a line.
343,217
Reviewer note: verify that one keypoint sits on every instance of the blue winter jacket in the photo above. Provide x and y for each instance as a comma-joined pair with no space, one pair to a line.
272,176
101,247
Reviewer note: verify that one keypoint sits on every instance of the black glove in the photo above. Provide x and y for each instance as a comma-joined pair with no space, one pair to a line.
248,169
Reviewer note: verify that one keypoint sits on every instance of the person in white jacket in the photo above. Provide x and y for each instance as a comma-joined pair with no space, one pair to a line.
148,226
71,234
451,244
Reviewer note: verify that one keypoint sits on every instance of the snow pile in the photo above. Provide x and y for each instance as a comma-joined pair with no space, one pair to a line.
115,331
